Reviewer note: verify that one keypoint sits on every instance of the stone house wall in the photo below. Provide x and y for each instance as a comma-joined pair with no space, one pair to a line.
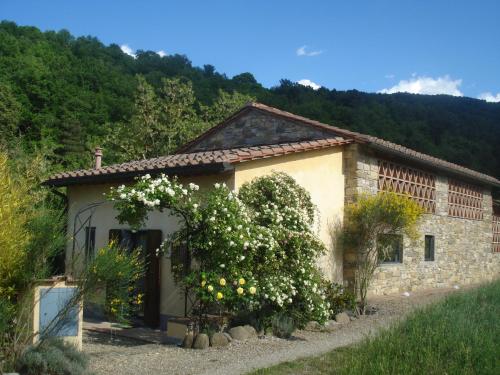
463,247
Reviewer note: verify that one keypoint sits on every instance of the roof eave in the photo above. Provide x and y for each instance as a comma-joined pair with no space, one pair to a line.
192,170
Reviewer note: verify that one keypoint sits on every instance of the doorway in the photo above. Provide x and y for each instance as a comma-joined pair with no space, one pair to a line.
148,241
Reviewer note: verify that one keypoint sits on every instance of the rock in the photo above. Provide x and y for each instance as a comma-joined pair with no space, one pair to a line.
342,318
406,294
239,333
331,325
219,339
313,326
188,341
352,318
251,331
228,336
201,341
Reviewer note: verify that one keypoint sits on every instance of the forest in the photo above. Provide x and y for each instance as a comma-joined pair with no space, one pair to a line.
60,96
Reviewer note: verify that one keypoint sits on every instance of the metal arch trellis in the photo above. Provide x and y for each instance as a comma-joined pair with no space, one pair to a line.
79,224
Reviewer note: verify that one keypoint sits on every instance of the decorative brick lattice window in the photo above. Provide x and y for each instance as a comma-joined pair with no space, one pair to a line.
496,230
421,186
464,200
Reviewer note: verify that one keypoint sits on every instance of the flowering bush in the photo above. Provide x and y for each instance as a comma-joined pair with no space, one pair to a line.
289,277
118,271
255,250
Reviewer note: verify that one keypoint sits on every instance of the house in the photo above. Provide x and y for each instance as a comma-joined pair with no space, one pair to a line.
460,232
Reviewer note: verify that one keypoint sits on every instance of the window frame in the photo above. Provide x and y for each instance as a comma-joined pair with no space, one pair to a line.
429,256
89,245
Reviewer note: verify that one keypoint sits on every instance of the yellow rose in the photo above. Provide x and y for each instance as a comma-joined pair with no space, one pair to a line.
242,281
252,290
219,295
222,282
203,283
210,288
239,290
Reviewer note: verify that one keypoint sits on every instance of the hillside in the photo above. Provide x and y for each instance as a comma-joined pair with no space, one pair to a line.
66,94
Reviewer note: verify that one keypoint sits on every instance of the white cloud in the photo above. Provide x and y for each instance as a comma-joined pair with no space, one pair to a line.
126,49
309,83
489,97
162,53
302,51
427,85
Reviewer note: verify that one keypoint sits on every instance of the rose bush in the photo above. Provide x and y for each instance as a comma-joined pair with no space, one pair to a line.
252,251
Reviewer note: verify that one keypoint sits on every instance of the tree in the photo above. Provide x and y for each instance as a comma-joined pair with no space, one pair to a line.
10,112
367,222
225,105
139,138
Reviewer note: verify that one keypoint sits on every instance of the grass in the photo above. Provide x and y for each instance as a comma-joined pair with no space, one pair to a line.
459,335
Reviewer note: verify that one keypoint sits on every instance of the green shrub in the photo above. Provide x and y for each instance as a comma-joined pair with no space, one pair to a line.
339,297
283,326
52,357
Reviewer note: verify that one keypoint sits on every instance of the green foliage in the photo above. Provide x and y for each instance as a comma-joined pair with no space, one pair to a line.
456,336
283,325
116,271
79,87
53,357
340,298
255,251
367,223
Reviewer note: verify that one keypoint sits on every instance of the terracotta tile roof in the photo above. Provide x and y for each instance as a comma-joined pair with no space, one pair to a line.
188,161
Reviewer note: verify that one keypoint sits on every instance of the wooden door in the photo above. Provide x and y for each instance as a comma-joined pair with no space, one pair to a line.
148,241
152,279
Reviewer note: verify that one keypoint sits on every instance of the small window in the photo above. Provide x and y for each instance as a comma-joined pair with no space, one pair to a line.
390,248
89,242
429,248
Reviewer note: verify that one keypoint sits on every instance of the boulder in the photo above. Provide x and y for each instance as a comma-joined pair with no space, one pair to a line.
219,339
342,318
201,341
313,326
252,332
331,325
239,333
188,341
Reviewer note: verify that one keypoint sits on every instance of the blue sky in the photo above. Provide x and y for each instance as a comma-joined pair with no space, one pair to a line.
419,46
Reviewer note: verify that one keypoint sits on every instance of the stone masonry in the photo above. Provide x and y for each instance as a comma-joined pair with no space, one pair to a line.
463,247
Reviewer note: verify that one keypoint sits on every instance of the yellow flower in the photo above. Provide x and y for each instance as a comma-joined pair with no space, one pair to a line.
219,295
222,282
239,290
252,290
210,288
203,283
242,281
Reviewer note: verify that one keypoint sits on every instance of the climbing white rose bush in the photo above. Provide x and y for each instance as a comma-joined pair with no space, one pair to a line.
251,251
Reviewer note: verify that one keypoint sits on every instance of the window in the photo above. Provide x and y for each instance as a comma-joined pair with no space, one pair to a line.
429,248
496,231
390,248
89,242
465,201
419,185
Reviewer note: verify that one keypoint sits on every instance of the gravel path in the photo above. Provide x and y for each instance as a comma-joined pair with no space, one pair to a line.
124,356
